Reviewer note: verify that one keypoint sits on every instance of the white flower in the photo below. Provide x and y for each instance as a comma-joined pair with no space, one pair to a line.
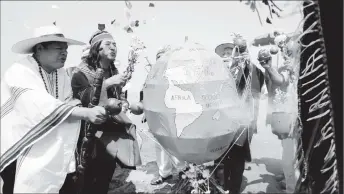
206,173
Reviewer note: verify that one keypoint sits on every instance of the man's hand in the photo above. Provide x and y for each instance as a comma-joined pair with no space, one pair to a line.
116,80
96,115
143,119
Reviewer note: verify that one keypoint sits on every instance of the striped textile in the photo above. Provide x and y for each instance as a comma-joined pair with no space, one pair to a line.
35,129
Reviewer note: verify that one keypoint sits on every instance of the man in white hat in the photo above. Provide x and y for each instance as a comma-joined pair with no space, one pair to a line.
247,76
39,123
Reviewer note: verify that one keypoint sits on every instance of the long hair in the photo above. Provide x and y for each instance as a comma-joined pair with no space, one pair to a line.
93,58
93,61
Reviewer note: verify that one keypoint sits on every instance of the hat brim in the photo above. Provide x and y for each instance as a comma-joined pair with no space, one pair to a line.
221,48
25,46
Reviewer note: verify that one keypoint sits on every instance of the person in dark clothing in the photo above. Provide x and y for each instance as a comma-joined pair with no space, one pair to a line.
247,76
8,176
107,150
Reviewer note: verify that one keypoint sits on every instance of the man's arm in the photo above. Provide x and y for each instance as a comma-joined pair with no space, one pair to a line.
80,113
275,77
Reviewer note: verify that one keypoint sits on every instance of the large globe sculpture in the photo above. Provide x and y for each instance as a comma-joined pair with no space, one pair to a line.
191,104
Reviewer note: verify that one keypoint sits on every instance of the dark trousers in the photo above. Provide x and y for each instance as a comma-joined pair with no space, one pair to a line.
97,176
8,176
234,166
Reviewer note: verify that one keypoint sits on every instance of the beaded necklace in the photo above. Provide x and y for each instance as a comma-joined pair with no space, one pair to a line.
40,71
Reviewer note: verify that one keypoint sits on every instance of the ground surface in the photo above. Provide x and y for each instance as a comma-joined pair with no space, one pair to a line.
261,178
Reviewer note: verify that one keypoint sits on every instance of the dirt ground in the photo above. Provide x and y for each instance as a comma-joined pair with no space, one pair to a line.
260,178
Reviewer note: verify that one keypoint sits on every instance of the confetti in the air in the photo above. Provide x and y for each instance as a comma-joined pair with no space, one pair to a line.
134,23
268,21
128,29
101,27
128,4
115,23
137,23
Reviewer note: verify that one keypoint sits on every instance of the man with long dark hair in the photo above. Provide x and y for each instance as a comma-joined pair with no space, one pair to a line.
107,151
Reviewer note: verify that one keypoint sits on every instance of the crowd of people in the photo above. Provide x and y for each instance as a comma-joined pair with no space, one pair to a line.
50,142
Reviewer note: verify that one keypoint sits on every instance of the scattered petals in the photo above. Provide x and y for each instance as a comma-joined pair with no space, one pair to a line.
101,27
253,6
268,21
128,29
205,173
137,23
128,4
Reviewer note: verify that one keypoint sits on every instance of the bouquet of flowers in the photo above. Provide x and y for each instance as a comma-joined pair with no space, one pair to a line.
198,178
136,48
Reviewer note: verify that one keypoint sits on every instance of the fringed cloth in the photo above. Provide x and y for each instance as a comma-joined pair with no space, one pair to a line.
317,150
35,129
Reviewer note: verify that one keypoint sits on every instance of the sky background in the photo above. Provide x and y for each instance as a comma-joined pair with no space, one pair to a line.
206,22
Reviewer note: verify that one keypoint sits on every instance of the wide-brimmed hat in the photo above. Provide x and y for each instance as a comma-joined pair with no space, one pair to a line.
220,50
43,34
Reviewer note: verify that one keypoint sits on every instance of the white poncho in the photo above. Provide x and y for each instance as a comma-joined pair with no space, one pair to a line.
35,128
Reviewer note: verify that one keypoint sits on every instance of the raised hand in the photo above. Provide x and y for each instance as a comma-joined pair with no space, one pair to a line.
116,80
